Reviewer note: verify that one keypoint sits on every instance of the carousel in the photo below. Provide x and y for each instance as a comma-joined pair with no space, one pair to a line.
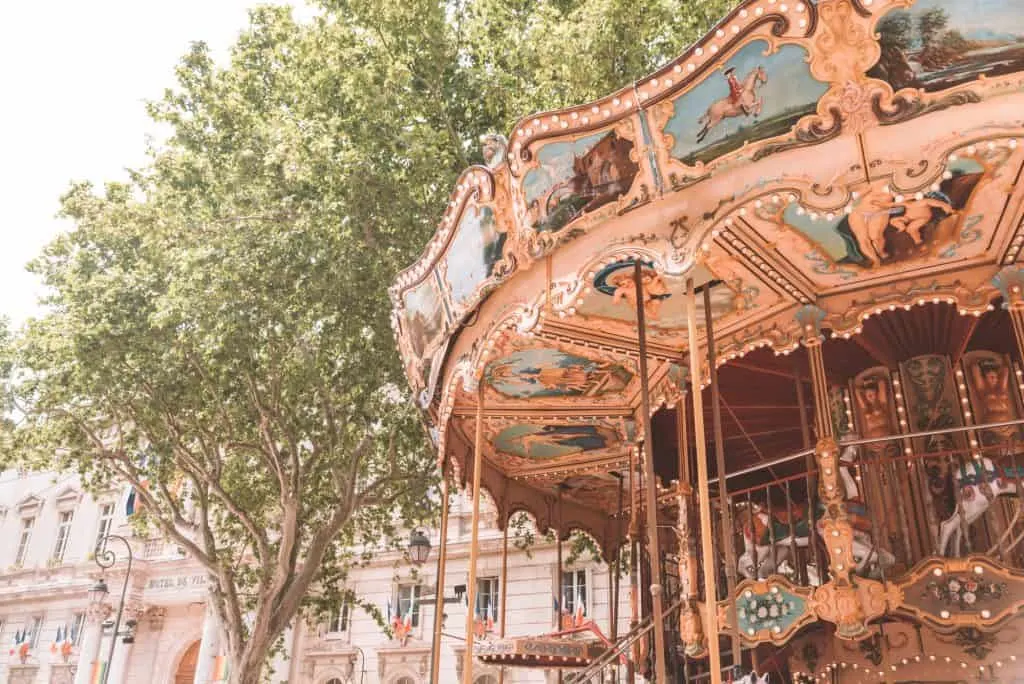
755,324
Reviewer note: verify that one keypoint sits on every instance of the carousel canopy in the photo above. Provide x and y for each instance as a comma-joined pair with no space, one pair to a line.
854,162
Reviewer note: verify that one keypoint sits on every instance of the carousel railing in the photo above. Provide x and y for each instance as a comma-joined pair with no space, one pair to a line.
904,503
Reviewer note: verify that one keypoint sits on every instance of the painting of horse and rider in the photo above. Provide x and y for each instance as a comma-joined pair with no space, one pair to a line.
758,94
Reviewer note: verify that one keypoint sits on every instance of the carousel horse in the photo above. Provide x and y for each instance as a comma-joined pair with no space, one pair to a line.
790,528
752,678
979,484
748,103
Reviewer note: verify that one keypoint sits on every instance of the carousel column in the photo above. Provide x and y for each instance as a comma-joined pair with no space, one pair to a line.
723,482
634,587
840,600
503,588
1010,282
703,495
654,549
442,561
478,438
92,635
209,647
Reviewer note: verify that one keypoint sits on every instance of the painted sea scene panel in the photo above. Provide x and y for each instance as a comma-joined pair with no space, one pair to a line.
424,314
552,373
578,176
882,227
553,441
938,44
473,252
757,94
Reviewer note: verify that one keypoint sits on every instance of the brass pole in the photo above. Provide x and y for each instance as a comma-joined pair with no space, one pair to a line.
706,538
723,482
442,561
615,579
560,579
478,450
634,588
503,589
654,551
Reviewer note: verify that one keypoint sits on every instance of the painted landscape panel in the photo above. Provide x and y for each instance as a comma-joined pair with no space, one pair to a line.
471,257
757,95
938,44
576,177
424,314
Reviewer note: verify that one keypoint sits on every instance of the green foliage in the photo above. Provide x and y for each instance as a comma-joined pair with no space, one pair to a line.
225,313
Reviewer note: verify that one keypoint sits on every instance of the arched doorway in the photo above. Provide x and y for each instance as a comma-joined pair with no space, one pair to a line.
186,671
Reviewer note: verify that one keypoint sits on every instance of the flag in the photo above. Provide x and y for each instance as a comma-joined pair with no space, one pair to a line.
98,670
389,609
220,669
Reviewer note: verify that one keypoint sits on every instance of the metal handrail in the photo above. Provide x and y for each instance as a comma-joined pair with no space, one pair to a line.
870,440
622,645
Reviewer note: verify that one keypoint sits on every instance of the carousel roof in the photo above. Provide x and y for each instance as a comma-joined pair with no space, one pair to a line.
857,156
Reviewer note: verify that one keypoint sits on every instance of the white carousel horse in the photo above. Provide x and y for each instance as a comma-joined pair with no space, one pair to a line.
979,484
757,559
749,103
752,678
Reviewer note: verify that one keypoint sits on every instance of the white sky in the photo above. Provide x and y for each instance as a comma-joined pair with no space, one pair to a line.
74,75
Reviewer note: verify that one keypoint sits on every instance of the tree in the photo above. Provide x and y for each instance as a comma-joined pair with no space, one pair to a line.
896,30
217,330
930,25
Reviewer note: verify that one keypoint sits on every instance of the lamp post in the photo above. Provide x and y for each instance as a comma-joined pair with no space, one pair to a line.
419,547
105,558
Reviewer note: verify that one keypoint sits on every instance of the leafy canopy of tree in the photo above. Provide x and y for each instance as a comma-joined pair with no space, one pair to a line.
217,329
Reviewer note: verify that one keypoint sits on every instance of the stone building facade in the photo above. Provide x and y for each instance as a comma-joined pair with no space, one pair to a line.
51,632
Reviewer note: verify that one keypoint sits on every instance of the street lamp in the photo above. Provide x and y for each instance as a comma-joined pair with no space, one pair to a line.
419,547
98,592
105,558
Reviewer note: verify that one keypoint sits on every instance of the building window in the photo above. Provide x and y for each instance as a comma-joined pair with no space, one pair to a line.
77,623
333,680
26,535
106,520
405,680
486,679
487,598
574,592
63,534
338,621
34,626
409,603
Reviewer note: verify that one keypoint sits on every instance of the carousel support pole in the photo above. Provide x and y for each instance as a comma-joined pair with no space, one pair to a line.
703,497
805,433
503,588
442,561
634,588
615,578
559,577
654,551
723,482
478,449
836,527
